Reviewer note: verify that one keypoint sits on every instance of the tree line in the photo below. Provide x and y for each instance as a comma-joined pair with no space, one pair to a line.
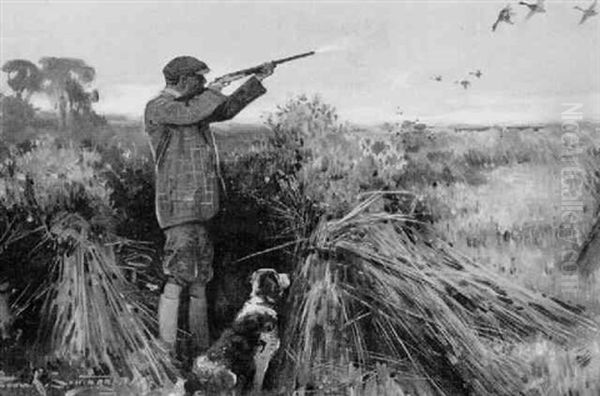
65,81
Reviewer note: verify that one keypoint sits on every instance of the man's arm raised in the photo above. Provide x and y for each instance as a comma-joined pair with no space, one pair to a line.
166,110
239,99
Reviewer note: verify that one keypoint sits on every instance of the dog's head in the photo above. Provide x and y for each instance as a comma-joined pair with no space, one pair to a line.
269,284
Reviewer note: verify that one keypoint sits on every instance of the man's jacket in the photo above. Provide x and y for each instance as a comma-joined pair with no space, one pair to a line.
187,188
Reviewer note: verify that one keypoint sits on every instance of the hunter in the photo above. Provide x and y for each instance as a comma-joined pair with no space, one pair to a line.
187,186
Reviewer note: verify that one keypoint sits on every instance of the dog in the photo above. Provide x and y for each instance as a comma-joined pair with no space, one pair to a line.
239,360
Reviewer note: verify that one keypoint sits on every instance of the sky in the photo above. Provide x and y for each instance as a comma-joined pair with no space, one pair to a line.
375,59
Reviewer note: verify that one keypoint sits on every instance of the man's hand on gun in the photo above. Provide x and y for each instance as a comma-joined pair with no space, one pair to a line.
219,84
260,72
266,69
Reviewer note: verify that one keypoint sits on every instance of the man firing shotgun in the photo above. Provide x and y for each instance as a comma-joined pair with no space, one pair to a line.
221,82
187,191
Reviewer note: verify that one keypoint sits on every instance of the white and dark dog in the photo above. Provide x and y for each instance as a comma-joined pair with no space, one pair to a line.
238,361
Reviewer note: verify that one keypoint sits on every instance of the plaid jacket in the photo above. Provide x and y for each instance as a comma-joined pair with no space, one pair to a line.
187,188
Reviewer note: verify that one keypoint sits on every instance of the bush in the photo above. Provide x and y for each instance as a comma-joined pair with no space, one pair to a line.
17,116
334,165
64,255
38,186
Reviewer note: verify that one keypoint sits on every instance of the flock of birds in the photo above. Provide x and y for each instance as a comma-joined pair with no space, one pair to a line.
506,14
463,82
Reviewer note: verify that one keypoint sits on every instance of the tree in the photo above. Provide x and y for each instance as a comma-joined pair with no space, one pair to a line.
23,77
79,99
66,78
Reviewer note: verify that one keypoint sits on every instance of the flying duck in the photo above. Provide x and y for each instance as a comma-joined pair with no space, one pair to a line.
534,8
476,73
465,83
503,16
587,13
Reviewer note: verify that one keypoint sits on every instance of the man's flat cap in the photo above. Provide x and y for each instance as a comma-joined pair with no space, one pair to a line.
184,66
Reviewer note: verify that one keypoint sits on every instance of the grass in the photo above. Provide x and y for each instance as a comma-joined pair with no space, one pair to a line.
375,289
492,195
495,197
506,210
91,318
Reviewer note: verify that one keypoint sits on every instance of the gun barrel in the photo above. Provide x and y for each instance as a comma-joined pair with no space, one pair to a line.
255,69
294,57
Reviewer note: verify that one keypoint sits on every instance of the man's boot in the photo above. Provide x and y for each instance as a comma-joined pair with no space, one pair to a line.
168,307
198,318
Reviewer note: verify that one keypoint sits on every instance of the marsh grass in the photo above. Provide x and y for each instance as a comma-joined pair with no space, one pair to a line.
379,306
84,311
374,289
91,317
512,219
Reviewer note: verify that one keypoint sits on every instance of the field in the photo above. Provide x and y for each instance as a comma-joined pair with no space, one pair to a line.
496,194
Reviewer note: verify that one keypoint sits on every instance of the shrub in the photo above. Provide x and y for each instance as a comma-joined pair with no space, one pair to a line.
16,116
64,254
